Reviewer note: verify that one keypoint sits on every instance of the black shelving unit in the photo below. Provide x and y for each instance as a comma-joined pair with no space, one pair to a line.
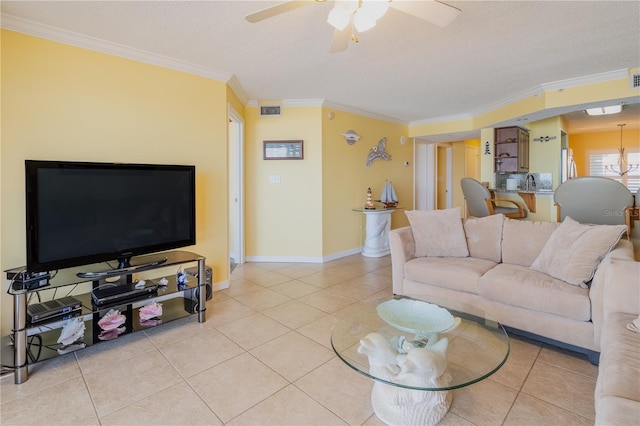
29,343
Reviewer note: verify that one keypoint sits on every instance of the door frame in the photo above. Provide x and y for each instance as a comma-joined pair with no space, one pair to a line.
236,145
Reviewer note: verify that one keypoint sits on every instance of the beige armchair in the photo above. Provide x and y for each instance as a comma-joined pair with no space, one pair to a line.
480,203
593,199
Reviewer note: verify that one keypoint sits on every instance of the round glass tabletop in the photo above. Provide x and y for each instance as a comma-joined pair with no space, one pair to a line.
380,343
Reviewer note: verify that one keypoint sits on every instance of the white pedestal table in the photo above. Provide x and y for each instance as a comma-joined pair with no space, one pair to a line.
378,225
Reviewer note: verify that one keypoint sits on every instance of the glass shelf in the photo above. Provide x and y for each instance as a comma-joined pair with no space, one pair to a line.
31,343
67,277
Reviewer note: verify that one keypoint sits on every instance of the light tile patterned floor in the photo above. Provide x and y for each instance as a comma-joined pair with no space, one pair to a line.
264,357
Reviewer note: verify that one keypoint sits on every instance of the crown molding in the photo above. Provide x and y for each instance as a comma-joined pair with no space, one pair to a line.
445,119
35,29
234,84
13,23
585,80
302,102
344,108
293,103
535,91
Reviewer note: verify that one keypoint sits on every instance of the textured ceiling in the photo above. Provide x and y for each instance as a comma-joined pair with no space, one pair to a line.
405,69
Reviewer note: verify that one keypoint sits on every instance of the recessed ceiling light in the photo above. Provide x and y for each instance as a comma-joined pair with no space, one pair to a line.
614,109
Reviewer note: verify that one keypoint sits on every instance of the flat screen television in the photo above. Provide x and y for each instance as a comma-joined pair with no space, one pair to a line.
79,213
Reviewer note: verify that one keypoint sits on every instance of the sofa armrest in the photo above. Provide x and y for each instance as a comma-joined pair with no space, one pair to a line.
607,283
622,291
403,249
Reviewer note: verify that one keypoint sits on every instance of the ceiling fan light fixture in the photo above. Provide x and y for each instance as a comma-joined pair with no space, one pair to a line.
613,109
340,16
368,13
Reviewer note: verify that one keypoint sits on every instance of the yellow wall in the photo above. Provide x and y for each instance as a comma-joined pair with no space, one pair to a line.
544,157
345,179
582,143
65,103
284,219
308,216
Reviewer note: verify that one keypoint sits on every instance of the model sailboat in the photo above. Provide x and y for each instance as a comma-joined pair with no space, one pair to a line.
389,197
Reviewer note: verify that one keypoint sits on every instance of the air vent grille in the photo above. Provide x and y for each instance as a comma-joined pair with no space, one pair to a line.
635,80
270,110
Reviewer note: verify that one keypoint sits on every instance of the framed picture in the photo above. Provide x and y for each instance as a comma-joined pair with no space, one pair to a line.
282,150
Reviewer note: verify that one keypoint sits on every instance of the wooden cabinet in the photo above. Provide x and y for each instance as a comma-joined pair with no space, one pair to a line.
511,147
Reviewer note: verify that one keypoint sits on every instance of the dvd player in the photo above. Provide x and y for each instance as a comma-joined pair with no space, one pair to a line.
107,294
39,312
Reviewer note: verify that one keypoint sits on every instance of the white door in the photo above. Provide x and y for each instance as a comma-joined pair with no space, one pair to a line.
424,178
433,178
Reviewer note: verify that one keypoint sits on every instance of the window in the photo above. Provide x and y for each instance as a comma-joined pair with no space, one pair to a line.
599,160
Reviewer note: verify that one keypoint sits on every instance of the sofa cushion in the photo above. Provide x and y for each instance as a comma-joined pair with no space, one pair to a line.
613,410
457,273
619,372
575,250
523,240
520,286
438,233
484,237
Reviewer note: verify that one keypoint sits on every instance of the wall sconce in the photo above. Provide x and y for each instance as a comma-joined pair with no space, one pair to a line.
487,148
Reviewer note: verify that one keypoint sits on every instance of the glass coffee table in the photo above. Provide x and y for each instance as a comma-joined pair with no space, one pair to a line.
416,352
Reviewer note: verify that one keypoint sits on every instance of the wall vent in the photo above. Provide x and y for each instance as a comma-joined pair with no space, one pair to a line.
270,110
635,80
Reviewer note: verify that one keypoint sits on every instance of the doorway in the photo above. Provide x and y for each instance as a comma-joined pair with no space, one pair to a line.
433,175
235,164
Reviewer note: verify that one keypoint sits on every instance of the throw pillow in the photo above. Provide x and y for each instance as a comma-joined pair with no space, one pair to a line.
575,250
523,240
484,237
438,233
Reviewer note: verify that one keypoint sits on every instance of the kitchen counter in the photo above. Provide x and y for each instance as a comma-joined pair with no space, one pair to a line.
523,191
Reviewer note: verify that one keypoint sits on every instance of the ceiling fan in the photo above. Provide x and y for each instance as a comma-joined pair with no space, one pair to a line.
350,17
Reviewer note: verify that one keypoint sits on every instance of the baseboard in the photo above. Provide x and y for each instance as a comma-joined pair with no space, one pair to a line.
220,285
303,259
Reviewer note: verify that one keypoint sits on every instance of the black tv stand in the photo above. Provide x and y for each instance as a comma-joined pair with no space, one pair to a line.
170,294
122,271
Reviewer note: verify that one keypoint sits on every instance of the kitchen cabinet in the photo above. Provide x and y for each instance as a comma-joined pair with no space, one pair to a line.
511,147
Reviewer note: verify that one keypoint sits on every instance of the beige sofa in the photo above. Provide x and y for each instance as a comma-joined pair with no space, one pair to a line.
617,396
496,276
501,274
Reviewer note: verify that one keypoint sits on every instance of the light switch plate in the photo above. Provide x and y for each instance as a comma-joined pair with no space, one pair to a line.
274,179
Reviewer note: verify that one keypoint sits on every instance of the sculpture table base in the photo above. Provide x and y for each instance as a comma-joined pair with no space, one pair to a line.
376,243
401,406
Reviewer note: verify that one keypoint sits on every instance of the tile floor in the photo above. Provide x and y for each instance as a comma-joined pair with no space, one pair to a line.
264,357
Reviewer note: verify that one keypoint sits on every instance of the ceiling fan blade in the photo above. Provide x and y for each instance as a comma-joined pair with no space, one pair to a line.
428,10
341,38
271,11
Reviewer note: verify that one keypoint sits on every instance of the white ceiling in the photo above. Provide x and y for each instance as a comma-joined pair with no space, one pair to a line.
404,69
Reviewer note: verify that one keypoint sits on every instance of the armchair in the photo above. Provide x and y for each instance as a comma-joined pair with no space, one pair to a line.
593,199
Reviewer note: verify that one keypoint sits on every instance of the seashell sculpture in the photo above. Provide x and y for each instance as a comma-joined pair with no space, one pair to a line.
150,311
72,330
111,325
